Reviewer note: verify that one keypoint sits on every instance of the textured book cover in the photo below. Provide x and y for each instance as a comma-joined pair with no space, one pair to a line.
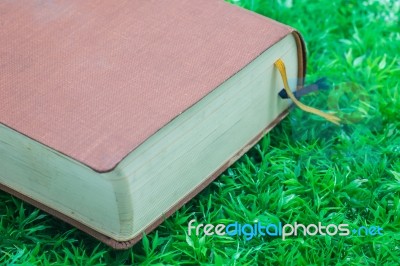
92,81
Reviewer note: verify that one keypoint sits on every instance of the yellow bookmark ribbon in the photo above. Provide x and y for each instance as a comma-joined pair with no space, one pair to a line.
280,65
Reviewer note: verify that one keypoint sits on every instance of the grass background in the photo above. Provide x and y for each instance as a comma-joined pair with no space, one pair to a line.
305,170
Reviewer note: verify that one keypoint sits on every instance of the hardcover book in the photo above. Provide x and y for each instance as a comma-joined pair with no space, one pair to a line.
115,114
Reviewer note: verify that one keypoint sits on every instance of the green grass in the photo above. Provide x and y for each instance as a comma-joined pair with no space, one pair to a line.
305,170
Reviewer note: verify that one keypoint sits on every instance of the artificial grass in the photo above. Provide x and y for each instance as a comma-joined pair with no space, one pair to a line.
305,170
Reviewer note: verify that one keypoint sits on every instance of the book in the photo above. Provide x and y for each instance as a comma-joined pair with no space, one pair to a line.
114,115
